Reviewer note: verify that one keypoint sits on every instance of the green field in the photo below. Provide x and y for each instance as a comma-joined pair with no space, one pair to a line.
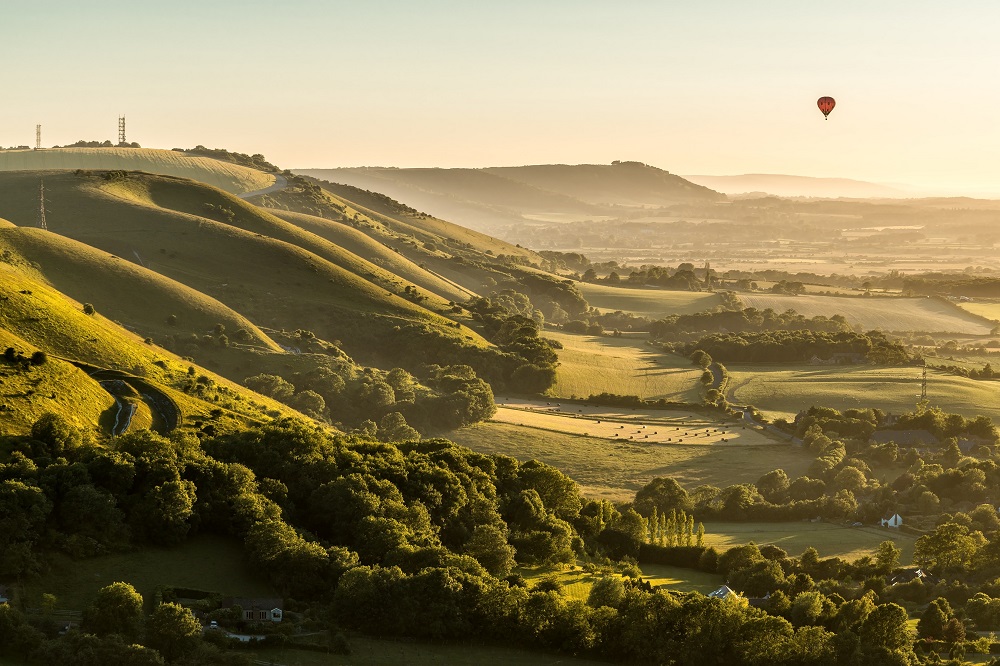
208,563
366,651
680,579
646,302
783,391
616,470
889,314
626,365
830,540
224,175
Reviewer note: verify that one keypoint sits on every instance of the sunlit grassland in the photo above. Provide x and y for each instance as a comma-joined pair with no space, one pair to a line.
617,469
624,365
224,175
783,391
209,563
794,537
886,313
652,303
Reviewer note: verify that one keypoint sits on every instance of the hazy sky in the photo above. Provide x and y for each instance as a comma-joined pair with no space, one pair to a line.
707,87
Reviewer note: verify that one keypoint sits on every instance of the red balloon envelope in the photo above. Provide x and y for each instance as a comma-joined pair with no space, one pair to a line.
826,105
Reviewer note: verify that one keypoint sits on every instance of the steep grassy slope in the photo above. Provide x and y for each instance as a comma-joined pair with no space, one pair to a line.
34,316
138,298
224,175
375,256
56,386
272,282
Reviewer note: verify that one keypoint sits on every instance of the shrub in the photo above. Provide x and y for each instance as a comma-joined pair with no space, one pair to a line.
88,309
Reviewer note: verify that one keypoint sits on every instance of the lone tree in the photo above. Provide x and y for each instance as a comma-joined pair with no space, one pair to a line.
117,610
173,631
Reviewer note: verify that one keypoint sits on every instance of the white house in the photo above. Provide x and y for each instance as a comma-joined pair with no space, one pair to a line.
895,520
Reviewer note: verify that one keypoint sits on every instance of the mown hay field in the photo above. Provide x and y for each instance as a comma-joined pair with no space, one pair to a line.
615,470
794,537
889,314
625,365
648,302
232,178
983,309
783,391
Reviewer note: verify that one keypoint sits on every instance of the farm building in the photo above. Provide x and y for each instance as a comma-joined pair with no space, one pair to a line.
895,520
907,575
256,609
723,592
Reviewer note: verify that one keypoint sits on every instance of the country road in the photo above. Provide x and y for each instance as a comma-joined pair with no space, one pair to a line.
280,183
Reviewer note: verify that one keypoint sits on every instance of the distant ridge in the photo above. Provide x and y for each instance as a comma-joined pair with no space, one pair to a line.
489,198
799,186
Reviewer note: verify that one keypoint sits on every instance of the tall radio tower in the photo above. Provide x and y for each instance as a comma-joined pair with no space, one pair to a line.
38,137
121,130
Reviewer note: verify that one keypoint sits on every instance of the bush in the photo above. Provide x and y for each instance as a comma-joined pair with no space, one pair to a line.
88,309
39,358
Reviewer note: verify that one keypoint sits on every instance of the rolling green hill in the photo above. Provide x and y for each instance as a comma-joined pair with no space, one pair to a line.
273,282
36,317
224,175
138,298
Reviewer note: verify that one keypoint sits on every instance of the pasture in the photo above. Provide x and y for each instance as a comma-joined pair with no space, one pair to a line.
209,563
828,539
625,365
889,314
783,391
614,468
648,302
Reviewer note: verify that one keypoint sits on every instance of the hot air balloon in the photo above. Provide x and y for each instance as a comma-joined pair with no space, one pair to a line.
826,105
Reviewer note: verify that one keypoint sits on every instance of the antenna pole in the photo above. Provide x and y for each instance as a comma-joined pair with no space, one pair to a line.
38,137
41,205
121,130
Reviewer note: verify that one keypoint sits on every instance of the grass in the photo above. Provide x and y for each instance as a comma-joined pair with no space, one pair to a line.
782,391
625,365
890,314
829,539
367,651
615,470
376,255
209,563
983,309
680,579
224,175
36,316
652,303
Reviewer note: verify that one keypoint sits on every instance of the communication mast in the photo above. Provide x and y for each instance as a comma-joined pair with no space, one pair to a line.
42,224
121,130
38,137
